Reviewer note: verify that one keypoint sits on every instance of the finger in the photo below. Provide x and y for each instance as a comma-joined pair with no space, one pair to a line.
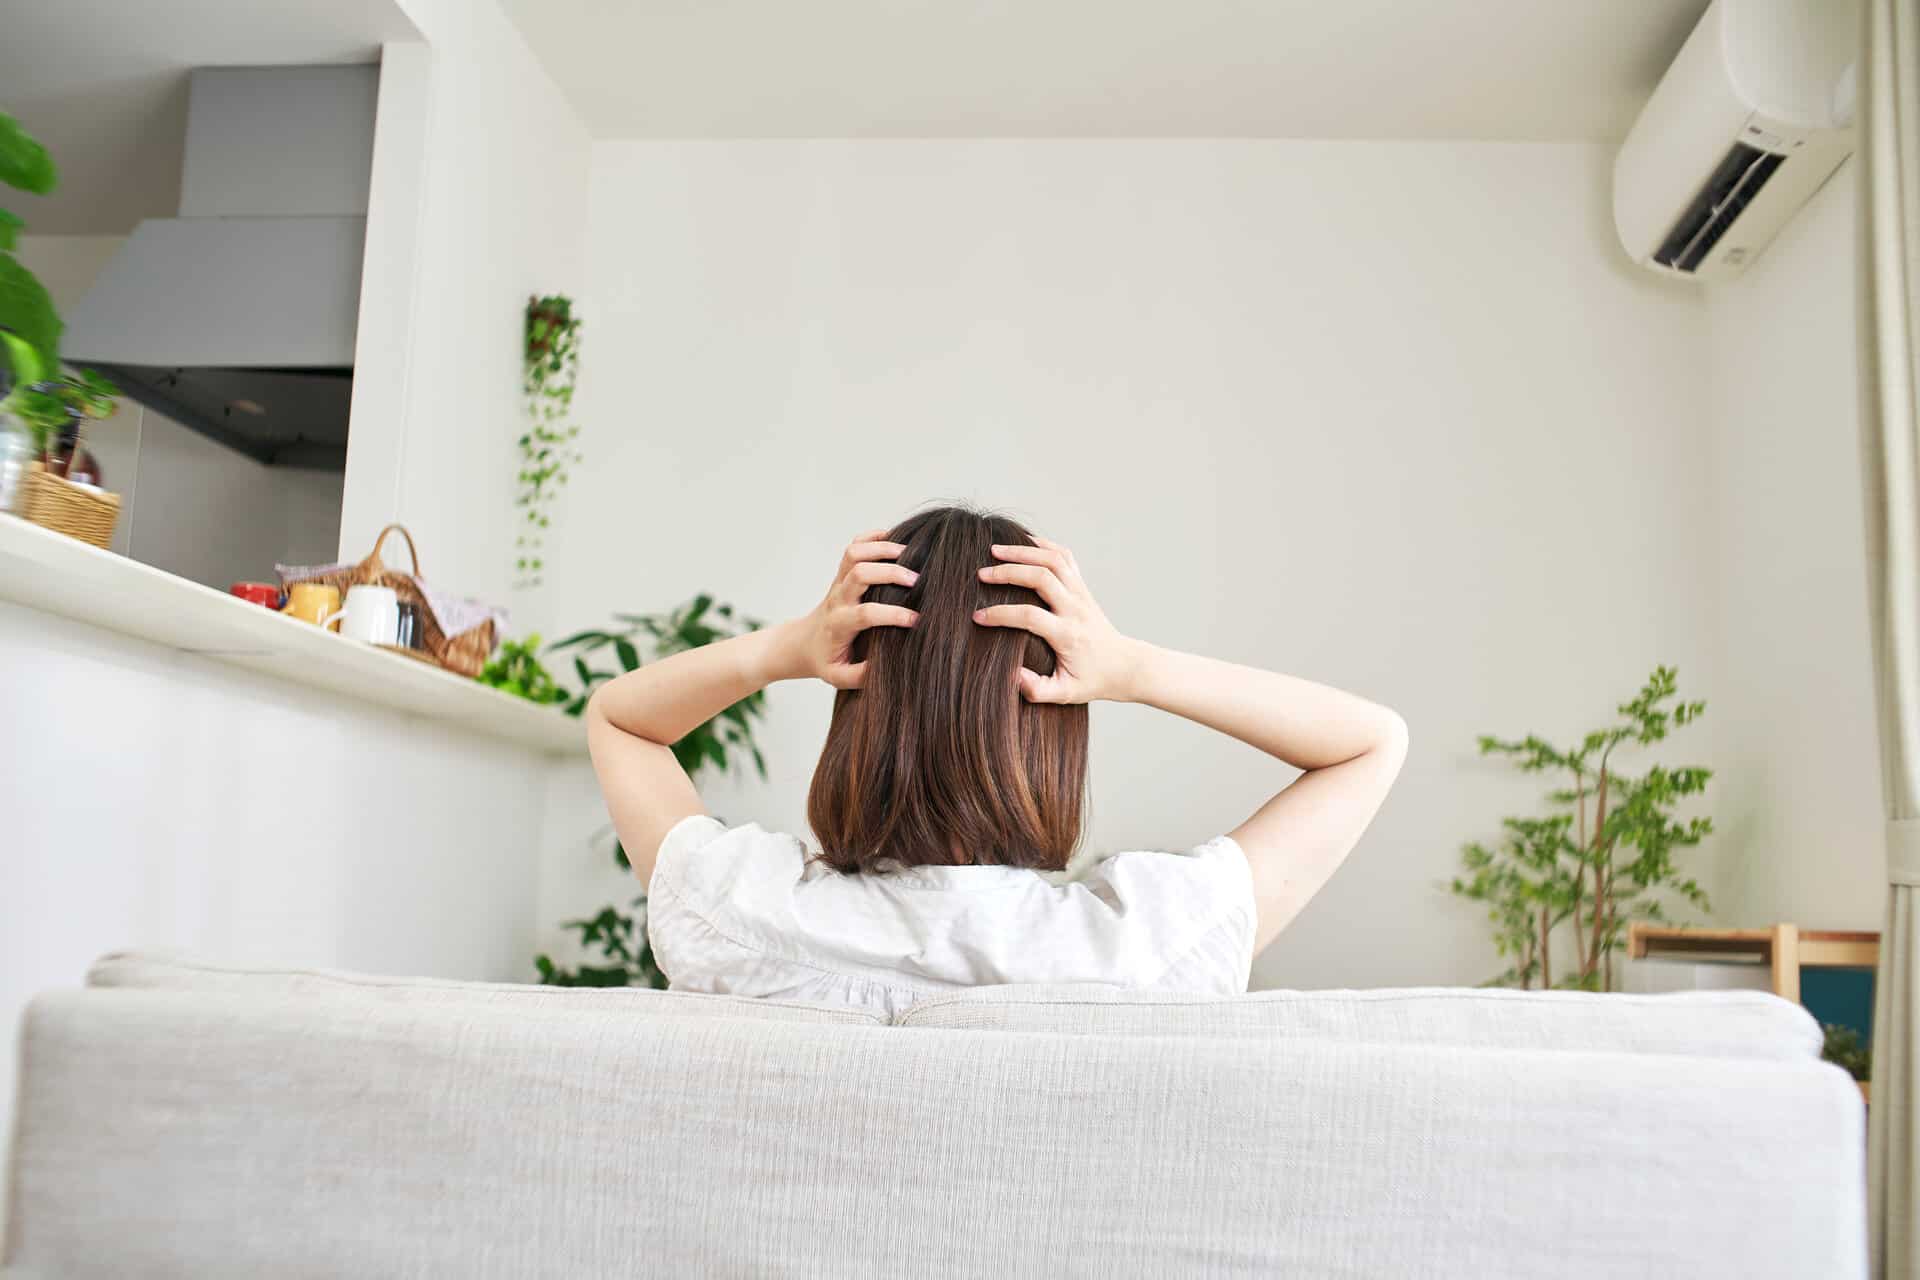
882,615
1035,687
846,675
1023,617
871,573
1072,575
870,549
1058,559
1033,576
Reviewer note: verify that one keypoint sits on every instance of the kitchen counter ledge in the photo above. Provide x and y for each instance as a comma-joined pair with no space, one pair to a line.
59,575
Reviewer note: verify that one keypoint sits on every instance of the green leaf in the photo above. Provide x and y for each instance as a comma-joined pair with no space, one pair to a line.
629,656
22,358
24,163
596,638
27,311
10,225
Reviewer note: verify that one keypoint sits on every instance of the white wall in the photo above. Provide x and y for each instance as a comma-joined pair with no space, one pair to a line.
1801,789
1395,416
215,516
479,186
66,265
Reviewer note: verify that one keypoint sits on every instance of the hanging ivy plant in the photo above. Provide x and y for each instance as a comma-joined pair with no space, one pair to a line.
552,366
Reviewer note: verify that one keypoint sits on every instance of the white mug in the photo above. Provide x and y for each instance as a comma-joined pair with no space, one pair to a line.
371,615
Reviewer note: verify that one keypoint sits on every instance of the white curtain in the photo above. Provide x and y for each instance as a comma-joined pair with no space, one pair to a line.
1890,374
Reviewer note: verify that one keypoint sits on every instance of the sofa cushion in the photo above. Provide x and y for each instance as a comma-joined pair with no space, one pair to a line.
1721,1024
173,971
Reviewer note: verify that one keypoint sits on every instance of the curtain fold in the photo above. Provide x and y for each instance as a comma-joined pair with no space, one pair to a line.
1889,262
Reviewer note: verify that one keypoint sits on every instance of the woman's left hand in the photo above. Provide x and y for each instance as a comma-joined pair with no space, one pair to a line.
821,642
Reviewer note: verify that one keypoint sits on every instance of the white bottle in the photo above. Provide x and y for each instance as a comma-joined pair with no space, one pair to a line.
16,454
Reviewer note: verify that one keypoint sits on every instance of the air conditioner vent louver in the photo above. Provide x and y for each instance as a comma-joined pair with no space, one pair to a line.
1750,120
1735,181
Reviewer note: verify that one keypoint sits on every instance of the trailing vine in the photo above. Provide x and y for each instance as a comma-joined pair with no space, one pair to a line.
551,368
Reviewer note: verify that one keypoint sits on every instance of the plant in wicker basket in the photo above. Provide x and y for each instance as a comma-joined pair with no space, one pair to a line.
56,407
624,957
551,369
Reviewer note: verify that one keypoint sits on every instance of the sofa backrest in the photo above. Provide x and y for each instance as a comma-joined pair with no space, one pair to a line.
1719,1024
204,1133
163,970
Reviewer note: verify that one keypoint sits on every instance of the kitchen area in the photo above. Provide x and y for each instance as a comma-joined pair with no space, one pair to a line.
228,330
298,240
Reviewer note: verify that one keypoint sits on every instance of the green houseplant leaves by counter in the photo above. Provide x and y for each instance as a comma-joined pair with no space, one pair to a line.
1602,858
622,956
516,668
28,321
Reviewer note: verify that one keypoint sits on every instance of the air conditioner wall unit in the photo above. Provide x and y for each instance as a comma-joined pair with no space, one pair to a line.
1751,119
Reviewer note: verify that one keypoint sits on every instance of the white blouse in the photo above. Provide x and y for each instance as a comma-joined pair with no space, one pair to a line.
742,911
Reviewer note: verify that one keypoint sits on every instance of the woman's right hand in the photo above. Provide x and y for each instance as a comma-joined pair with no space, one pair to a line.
1093,661
820,643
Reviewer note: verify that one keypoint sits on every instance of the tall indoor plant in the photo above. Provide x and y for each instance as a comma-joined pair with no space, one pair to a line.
1602,857
616,940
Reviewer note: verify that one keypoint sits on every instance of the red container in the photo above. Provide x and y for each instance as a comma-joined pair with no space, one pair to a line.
265,593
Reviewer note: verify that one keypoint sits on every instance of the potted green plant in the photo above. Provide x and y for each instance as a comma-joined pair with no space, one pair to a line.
616,940
55,411
1604,855
29,325
516,668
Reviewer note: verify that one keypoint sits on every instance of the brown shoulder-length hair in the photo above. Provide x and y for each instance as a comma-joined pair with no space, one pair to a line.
937,759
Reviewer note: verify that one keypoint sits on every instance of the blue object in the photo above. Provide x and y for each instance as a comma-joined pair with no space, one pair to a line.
1841,996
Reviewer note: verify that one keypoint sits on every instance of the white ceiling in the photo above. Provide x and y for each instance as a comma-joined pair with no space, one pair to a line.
1499,69
102,83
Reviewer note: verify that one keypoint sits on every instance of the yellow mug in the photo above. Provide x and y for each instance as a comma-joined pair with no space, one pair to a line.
311,602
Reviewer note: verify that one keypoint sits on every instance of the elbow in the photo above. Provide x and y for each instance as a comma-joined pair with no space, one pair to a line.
1394,739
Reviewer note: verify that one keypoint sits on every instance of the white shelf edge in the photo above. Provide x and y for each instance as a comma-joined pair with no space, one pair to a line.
59,575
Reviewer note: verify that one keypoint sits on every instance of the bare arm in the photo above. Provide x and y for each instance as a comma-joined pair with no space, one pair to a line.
1350,750
633,722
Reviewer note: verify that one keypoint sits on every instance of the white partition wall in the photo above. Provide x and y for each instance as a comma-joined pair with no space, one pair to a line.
1396,416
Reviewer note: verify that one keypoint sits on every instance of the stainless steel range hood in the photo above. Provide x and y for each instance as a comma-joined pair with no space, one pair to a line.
237,318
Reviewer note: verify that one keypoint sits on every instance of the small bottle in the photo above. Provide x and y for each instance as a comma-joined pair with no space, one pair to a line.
16,454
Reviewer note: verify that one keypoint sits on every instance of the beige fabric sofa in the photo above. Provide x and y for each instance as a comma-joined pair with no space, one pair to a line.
179,1118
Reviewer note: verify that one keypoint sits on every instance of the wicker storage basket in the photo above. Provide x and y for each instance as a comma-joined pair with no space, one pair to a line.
65,507
463,654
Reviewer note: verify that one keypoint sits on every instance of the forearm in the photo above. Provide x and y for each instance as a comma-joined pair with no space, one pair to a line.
1309,726
664,701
